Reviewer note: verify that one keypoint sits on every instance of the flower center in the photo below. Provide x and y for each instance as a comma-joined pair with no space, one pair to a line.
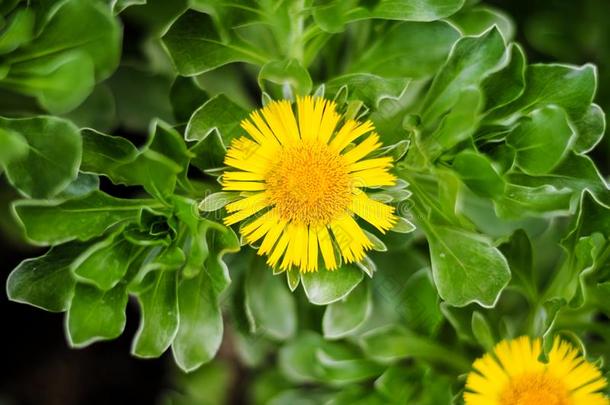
309,183
538,388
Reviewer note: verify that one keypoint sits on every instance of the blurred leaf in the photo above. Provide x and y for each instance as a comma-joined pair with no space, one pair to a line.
466,267
46,281
14,146
420,304
141,96
297,359
286,73
53,222
271,305
69,28
342,318
59,83
324,287
52,158
408,49
18,31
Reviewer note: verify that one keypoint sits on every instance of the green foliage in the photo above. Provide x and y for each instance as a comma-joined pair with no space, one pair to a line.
504,219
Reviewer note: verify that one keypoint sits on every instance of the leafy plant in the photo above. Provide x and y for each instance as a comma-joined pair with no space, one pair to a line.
504,214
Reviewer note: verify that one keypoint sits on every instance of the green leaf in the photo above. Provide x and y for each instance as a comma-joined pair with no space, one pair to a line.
397,383
105,263
60,82
344,364
342,318
391,343
52,159
571,88
478,19
506,84
102,154
84,184
519,201
470,59
297,359
458,125
53,222
590,129
466,267
482,331
408,49
14,146
155,167
46,281
324,287
419,10
271,306
368,88
18,31
541,140
95,314
159,319
218,113
289,73
419,304
479,174
196,47
200,332
69,28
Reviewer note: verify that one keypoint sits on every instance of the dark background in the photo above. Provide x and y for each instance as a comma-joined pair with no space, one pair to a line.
38,368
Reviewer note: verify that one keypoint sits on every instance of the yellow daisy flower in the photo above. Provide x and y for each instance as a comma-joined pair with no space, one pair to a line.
303,181
514,375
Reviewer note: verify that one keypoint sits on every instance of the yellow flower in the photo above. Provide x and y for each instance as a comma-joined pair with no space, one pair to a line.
514,375
303,180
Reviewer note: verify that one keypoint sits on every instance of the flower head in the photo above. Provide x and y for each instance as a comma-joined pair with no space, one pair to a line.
513,374
302,180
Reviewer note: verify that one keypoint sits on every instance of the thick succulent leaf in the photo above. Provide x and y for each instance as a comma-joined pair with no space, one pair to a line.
105,263
196,47
52,157
159,317
471,58
324,287
569,87
541,140
46,281
218,113
52,222
200,332
466,267
95,314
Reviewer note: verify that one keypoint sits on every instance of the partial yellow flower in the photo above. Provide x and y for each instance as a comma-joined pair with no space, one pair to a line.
302,180
513,374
